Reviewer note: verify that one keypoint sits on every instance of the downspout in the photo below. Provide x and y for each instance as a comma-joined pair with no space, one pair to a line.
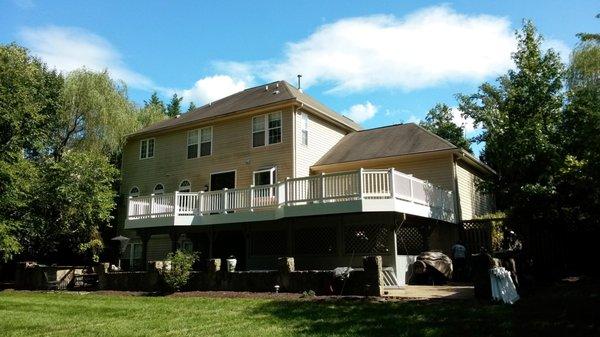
294,140
457,206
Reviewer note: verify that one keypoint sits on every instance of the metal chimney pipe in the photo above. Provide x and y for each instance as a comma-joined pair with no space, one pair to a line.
299,77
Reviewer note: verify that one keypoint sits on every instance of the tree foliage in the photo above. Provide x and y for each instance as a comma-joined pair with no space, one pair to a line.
174,106
61,139
521,116
579,178
156,103
439,121
73,202
191,107
95,114
29,98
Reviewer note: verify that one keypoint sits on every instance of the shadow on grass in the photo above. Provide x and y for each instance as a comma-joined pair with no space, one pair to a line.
369,318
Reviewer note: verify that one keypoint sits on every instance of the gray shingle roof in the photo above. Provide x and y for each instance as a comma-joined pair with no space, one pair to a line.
250,98
388,141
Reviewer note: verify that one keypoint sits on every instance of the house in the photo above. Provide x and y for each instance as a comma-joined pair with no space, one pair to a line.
270,172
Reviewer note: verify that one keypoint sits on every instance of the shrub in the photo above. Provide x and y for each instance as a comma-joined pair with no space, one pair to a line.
177,274
497,228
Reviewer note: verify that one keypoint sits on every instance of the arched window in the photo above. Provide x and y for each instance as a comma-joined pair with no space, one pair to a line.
185,186
134,192
159,189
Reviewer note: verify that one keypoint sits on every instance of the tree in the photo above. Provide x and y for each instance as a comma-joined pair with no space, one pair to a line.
191,107
521,117
155,102
61,139
95,114
149,114
579,180
29,100
174,106
439,121
73,203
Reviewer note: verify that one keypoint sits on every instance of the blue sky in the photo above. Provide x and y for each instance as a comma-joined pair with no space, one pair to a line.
379,62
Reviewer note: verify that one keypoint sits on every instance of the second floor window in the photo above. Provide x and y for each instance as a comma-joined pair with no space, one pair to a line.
147,148
199,143
266,129
304,128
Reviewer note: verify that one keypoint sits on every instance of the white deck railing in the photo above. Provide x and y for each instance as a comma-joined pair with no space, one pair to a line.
332,187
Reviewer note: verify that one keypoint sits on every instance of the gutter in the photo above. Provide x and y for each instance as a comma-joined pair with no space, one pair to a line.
473,161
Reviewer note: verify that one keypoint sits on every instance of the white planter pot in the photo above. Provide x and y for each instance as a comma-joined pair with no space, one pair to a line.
231,263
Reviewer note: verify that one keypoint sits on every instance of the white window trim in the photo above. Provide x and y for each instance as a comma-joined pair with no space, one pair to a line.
304,128
199,142
266,129
131,249
163,189
132,194
181,182
153,149
186,242
271,170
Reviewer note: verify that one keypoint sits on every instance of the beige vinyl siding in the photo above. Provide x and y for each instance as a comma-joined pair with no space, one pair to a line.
435,168
158,247
231,150
473,203
322,136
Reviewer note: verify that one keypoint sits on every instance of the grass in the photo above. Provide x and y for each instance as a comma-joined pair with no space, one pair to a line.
559,312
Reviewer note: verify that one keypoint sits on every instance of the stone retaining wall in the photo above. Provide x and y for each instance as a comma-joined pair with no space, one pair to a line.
323,282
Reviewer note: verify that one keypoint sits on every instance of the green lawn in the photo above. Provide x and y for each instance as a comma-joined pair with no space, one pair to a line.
70,314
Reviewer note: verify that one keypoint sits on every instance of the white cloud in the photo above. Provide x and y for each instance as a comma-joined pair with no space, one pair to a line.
413,119
212,88
467,122
68,48
428,47
558,46
361,112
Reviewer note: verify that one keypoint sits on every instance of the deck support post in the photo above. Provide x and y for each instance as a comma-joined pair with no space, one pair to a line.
211,239
174,236
144,237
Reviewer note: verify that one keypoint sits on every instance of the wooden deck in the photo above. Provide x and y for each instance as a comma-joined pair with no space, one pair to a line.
332,193
430,292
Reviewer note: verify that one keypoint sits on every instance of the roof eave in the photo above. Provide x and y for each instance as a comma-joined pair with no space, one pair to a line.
347,126
474,161
318,166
